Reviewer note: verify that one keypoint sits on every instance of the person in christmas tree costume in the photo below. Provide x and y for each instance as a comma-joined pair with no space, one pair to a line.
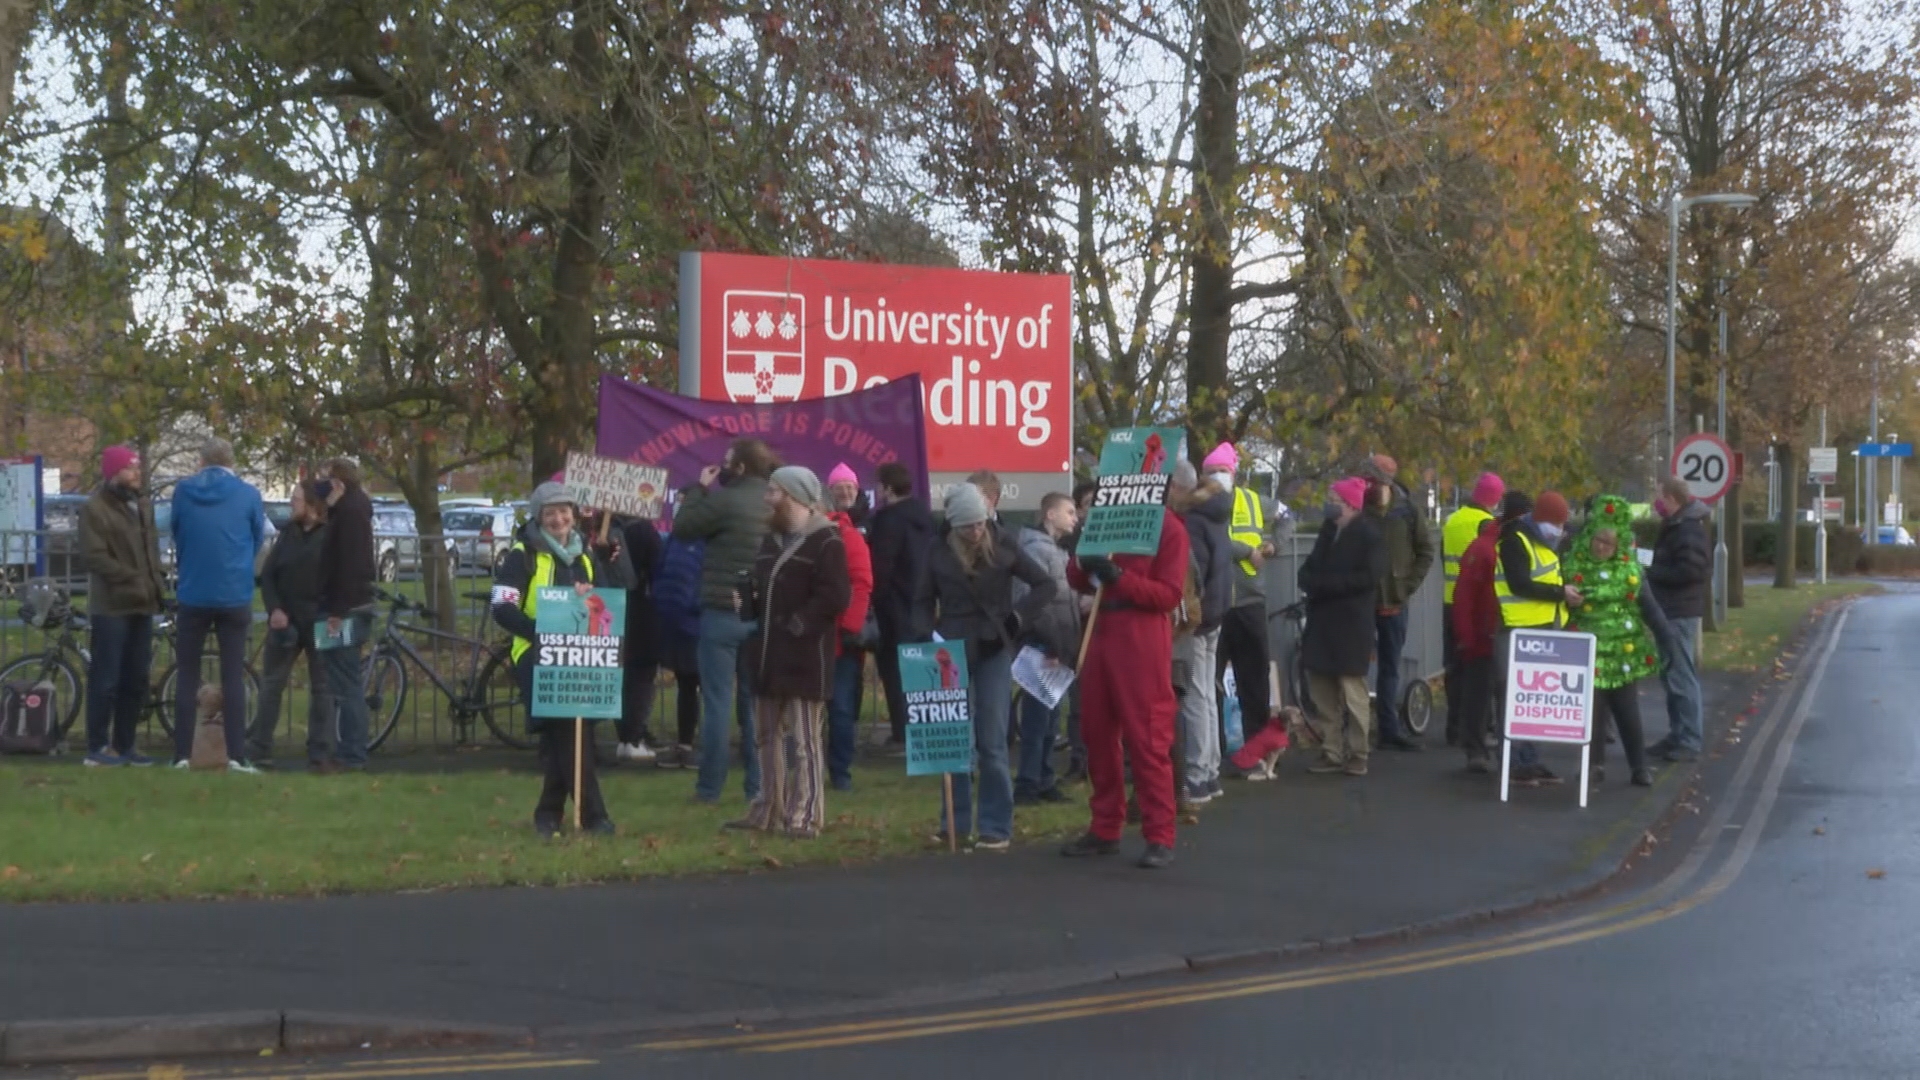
1619,611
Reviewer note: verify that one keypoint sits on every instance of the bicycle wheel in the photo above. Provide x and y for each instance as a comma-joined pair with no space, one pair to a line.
1416,706
499,701
68,685
386,694
209,676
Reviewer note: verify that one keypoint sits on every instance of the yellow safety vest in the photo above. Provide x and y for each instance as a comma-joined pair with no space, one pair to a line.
543,562
1249,525
1524,611
1462,527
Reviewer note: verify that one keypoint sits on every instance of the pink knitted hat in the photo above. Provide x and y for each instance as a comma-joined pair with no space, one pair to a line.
115,458
1489,490
1352,491
1223,456
841,474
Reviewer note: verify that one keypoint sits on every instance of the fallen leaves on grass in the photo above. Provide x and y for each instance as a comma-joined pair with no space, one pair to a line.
772,863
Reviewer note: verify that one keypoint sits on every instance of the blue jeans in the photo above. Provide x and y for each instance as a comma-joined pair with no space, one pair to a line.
1684,725
229,627
1037,726
1390,640
347,686
843,716
724,690
991,683
117,680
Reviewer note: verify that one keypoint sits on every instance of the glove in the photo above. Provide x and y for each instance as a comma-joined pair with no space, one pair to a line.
1013,626
1101,569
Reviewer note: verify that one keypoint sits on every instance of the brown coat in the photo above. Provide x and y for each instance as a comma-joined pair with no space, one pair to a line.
121,549
797,596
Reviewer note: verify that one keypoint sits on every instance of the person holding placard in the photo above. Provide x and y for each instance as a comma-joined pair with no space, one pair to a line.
552,552
798,589
972,569
1126,688
1055,633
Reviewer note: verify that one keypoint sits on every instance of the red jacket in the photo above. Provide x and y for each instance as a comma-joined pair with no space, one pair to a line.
859,573
1476,610
1151,583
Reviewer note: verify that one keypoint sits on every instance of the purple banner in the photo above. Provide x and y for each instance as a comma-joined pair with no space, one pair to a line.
865,429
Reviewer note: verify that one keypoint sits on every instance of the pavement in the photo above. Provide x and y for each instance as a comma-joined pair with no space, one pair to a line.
1298,863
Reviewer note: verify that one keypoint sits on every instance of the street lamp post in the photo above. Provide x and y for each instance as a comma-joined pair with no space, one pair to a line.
1675,204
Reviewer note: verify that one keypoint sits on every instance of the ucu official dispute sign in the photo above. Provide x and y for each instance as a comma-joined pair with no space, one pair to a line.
1550,686
994,353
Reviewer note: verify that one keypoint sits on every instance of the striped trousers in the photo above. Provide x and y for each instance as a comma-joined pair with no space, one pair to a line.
791,764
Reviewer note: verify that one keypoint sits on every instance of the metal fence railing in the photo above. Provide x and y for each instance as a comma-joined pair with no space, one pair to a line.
1423,656
450,576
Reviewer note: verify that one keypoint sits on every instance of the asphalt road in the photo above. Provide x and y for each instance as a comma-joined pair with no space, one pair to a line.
1769,933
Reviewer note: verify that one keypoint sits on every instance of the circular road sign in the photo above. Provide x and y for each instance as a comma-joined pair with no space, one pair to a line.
1705,463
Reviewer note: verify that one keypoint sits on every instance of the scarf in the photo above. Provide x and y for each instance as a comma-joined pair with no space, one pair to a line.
568,552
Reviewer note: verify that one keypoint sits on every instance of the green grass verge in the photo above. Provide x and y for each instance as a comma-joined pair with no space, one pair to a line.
1755,633
151,834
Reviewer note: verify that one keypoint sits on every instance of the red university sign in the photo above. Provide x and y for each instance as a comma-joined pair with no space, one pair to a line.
994,352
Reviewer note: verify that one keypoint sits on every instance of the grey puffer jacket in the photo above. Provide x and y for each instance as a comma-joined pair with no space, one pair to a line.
732,518
1055,630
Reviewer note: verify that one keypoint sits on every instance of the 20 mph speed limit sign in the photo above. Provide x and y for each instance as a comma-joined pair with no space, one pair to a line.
1705,463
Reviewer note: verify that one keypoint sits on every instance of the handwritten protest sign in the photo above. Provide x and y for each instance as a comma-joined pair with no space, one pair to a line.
621,487
577,670
1136,466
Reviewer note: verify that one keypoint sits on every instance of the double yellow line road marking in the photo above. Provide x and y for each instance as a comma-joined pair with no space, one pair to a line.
1652,906
375,1069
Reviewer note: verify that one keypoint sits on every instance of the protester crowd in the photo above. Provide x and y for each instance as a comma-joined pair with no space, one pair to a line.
772,589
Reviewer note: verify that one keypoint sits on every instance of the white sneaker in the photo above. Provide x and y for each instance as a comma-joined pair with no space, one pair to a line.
183,763
639,751
242,767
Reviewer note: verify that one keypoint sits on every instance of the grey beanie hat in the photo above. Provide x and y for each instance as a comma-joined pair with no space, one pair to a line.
966,505
799,482
551,493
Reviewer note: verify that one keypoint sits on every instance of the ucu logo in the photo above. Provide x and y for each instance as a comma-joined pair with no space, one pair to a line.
1552,682
1535,646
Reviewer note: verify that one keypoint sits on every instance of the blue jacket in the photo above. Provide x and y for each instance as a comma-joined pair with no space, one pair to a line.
676,588
219,525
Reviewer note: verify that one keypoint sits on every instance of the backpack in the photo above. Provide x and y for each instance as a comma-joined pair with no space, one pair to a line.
26,719
676,588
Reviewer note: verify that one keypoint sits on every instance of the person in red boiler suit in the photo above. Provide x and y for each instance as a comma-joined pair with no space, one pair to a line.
1126,692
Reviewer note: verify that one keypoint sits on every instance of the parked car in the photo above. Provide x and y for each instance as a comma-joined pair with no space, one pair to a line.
1895,536
478,536
279,514
397,545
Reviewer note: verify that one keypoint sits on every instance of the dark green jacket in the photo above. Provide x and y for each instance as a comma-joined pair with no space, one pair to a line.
1409,538
732,518
120,548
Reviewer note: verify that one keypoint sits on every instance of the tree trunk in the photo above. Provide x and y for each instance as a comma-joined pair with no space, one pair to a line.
1216,134
1786,557
419,481
16,24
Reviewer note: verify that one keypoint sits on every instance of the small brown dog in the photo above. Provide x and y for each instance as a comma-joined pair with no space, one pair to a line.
210,730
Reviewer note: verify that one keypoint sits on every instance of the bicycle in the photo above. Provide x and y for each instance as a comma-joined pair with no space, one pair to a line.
63,663
491,693
1416,701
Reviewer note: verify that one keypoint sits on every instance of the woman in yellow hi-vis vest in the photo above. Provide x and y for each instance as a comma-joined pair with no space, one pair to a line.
1532,596
551,551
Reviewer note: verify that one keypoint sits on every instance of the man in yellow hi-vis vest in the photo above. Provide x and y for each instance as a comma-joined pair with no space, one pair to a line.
1531,596
1258,527
1458,534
